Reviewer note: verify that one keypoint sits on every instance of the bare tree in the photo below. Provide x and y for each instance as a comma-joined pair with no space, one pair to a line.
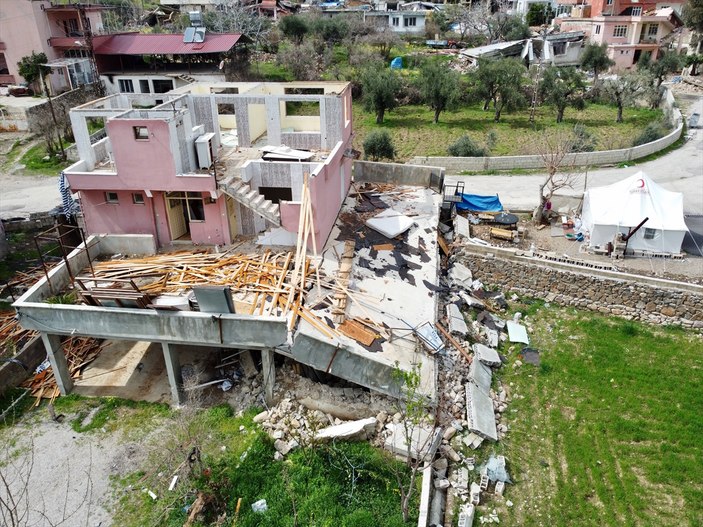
418,429
556,154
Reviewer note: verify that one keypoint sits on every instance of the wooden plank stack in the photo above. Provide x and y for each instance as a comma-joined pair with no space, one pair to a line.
79,351
12,335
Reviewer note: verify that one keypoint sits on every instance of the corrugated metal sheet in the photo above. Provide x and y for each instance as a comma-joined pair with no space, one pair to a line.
162,44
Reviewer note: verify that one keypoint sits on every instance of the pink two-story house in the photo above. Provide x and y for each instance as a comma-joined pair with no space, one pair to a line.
57,29
631,29
187,166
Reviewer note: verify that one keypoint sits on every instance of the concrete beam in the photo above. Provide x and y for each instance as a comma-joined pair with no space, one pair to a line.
173,370
268,367
185,327
54,350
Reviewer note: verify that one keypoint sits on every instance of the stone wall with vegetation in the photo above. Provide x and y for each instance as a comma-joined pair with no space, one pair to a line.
602,157
607,292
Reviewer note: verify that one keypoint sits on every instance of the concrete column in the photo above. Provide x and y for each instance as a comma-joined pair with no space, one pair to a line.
54,350
81,135
268,368
273,117
173,370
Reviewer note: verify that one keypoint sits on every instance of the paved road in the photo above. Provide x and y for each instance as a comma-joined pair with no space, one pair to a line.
679,171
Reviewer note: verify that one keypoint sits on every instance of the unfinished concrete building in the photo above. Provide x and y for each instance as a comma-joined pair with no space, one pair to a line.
210,161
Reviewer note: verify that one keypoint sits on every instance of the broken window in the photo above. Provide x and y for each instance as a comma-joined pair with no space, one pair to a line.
112,197
162,86
138,198
144,86
410,21
649,234
559,48
141,133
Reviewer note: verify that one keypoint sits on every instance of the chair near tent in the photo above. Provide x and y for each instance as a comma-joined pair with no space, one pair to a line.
623,205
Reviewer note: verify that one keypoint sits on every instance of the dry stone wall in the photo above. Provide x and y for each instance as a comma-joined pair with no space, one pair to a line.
611,295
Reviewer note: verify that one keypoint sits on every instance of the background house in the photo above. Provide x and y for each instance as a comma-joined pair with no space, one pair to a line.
185,166
158,63
630,31
61,31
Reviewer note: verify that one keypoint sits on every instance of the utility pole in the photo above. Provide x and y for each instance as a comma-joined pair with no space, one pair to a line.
535,86
47,90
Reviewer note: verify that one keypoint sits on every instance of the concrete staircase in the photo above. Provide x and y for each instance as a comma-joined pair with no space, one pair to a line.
250,198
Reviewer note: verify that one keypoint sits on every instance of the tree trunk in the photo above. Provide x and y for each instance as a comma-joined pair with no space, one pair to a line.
436,115
379,115
499,108
486,104
619,119
560,114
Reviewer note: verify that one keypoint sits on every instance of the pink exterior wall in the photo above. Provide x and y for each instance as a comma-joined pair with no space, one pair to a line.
215,229
327,193
124,217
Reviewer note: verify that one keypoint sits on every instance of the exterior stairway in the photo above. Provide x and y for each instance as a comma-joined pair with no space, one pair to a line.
250,198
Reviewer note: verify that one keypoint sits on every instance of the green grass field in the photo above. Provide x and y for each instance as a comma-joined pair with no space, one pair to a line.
607,431
414,134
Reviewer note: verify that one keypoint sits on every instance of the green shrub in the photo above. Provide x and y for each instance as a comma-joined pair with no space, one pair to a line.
379,145
466,147
583,139
652,132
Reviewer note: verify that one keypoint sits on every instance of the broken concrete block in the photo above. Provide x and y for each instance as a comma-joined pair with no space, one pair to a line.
350,430
486,355
472,301
422,444
466,515
475,493
479,412
500,488
281,446
441,483
440,464
260,418
462,479
449,433
492,337
481,375
451,454
461,226
460,275
457,324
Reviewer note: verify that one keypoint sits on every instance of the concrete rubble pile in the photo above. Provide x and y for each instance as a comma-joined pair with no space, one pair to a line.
473,405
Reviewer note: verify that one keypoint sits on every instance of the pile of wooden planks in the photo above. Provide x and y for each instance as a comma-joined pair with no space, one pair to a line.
79,351
12,335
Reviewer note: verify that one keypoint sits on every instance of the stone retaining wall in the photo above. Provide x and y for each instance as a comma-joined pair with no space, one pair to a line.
603,292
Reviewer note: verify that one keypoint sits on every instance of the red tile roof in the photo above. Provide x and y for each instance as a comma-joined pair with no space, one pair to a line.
162,44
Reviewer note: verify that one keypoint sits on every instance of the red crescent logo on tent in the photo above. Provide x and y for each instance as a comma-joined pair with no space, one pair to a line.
641,185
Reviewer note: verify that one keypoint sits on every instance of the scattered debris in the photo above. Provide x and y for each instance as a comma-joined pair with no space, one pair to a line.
530,356
259,506
517,332
361,429
390,223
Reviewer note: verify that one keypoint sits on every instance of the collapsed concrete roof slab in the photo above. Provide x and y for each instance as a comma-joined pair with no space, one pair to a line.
479,413
480,375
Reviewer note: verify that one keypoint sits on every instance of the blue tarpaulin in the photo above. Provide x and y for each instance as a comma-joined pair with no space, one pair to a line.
397,63
480,203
